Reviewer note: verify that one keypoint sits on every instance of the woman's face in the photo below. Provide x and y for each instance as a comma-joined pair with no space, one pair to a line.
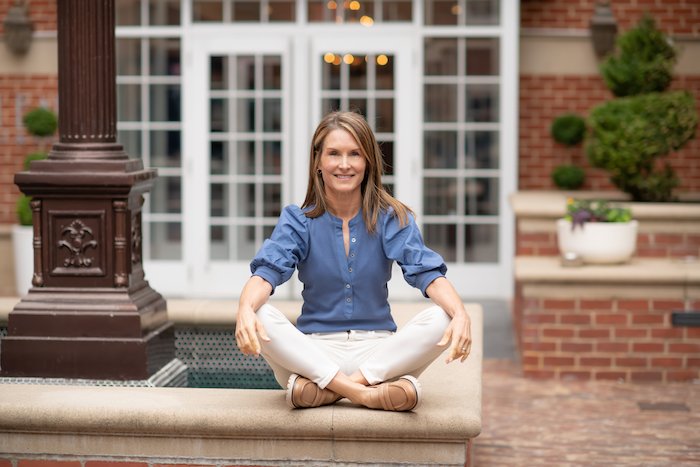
342,164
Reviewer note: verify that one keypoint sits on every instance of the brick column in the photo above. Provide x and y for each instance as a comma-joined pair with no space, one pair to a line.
90,313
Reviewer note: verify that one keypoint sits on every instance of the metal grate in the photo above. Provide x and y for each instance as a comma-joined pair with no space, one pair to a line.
214,361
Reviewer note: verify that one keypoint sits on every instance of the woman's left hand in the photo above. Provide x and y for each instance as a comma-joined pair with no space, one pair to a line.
459,332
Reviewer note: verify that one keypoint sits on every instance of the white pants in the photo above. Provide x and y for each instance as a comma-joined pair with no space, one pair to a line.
379,355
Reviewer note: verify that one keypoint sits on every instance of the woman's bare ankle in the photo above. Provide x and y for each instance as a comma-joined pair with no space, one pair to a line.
359,378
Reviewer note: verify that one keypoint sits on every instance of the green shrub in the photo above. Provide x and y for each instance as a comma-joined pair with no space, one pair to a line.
24,210
629,134
41,122
568,177
568,129
644,64
35,156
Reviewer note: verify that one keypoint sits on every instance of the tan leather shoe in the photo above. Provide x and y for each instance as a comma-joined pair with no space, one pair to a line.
399,396
303,393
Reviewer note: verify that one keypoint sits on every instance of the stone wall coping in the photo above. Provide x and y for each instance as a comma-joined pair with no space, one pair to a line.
551,204
224,422
638,271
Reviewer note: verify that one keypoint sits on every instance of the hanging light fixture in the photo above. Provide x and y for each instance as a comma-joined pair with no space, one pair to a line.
603,29
18,28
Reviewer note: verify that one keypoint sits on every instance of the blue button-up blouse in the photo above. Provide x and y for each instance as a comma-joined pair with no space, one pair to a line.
342,292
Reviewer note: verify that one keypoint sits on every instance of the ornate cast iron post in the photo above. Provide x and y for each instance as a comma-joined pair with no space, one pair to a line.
90,312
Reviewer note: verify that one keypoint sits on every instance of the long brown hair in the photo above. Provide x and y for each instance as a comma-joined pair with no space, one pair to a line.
375,198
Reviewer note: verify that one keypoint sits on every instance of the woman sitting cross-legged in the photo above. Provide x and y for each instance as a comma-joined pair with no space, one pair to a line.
343,241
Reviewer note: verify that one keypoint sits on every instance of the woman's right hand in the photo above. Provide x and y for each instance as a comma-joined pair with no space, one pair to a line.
248,326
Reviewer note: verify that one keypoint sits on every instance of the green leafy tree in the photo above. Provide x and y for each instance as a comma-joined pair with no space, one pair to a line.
630,135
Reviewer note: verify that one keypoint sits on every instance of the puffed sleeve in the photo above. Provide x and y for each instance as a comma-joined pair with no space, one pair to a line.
420,264
287,246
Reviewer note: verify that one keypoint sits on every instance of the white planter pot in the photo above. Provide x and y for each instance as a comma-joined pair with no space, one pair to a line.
22,241
598,242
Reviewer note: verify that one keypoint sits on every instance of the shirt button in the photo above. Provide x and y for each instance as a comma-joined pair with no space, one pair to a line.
352,255
348,299
353,240
347,286
349,269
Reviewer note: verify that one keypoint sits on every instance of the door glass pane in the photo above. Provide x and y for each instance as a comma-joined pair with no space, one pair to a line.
128,57
128,12
280,11
129,103
165,102
384,71
219,160
440,54
164,56
272,72
481,196
481,243
272,157
245,186
166,240
440,150
165,195
442,238
164,12
365,12
245,157
397,10
481,102
482,57
461,12
440,102
207,11
481,150
440,196
247,11
165,148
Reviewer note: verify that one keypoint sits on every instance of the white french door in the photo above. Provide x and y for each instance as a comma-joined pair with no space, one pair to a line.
252,96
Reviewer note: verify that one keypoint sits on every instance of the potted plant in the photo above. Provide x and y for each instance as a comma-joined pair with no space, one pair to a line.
41,123
597,232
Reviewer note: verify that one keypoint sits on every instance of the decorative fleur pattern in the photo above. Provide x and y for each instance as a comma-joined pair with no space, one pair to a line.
77,238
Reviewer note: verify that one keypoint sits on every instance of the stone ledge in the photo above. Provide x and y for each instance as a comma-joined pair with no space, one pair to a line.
542,269
552,204
250,425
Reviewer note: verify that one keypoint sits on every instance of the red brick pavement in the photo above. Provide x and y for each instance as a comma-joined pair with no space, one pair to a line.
543,422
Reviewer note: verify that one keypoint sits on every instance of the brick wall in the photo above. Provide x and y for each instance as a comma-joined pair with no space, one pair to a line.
41,12
628,339
19,94
544,97
677,17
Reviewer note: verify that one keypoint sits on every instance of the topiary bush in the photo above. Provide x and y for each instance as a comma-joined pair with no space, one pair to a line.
568,129
41,122
644,64
629,135
568,176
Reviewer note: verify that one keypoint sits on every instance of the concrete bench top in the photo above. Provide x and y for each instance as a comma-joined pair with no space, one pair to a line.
250,425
